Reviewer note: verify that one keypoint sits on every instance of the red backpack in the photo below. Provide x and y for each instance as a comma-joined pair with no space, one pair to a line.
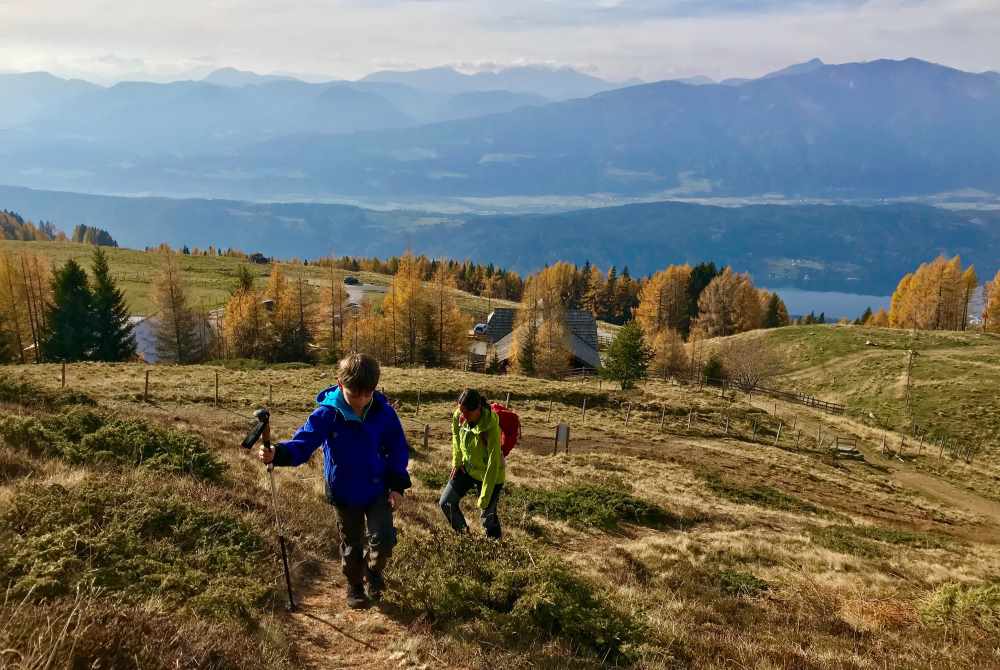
510,427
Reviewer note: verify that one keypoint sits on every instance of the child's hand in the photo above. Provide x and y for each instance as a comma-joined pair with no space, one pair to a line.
395,500
265,455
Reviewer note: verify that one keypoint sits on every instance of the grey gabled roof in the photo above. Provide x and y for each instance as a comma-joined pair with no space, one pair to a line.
500,323
581,339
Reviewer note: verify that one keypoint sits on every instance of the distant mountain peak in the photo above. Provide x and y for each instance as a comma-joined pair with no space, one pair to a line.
550,81
231,76
799,68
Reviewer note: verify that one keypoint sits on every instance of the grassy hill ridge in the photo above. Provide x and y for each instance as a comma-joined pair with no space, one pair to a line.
645,546
209,278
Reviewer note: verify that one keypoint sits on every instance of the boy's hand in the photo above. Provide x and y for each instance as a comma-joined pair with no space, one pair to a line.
395,499
265,455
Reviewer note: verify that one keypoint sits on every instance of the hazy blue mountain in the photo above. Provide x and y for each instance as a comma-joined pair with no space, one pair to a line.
141,118
27,95
876,129
798,68
883,128
230,76
845,248
552,83
697,80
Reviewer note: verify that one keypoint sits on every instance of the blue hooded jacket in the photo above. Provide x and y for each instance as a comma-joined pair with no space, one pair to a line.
363,457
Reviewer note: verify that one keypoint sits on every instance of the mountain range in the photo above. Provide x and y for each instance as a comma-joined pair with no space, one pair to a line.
840,248
858,130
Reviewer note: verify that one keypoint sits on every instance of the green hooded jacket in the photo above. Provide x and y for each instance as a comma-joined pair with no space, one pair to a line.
476,448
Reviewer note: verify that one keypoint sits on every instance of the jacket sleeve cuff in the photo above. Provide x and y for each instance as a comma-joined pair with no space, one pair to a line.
399,482
282,457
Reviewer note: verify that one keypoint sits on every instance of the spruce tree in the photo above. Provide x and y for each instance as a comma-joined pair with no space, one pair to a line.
628,356
69,334
772,318
114,340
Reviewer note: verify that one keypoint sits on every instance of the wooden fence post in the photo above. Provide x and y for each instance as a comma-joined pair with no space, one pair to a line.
883,443
727,425
795,421
506,402
63,377
427,436
628,412
663,415
753,438
778,436
216,388
584,416
145,392
690,414
548,417
819,437
418,403
798,436
270,394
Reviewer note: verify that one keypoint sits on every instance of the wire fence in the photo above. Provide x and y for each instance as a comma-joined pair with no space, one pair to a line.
734,420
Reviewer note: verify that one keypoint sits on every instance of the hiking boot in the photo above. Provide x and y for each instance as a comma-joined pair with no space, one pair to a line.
376,584
356,598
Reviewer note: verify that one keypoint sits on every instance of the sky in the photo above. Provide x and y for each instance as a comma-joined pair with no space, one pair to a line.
112,40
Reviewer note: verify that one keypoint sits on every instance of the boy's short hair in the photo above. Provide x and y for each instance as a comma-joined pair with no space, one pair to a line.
470,399
359,373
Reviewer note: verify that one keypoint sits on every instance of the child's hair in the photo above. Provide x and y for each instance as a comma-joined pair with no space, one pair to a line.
470,400
358,373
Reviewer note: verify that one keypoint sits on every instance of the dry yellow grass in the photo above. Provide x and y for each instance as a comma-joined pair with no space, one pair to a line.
831,596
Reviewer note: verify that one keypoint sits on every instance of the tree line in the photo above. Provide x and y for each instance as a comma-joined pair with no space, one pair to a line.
14,227
938,296
63,315
671,311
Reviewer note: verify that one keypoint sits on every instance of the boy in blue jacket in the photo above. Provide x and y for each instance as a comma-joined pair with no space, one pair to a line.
365,458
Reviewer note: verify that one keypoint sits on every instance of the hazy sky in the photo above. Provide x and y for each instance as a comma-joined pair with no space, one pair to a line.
106,40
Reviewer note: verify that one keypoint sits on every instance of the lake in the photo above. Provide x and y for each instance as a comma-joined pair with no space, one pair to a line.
834,304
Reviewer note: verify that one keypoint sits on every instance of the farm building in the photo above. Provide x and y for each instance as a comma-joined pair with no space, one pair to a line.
581,336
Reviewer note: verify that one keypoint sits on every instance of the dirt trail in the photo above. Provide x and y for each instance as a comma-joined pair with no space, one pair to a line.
906,476
328,635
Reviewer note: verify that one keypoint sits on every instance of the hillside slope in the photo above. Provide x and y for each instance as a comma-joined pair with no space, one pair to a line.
209,279
954,377
664,545
852,249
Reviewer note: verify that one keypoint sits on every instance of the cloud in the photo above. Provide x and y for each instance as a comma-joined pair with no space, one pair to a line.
652,39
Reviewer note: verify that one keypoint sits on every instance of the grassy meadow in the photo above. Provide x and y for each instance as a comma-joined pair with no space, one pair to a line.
686,539
209,279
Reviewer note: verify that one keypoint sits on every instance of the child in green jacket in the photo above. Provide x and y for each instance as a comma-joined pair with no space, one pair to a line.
477,463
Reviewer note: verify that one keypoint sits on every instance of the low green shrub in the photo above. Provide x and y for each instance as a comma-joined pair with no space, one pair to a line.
134,540
433,479
870,541
761,496
77,423
28,434
136,442
84,436
977,605
843,540
501,588
24,393
742,584
592,505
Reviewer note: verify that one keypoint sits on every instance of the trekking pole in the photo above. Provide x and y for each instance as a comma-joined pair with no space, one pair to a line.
263,429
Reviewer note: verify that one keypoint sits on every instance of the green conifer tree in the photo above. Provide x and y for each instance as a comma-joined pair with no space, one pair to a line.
114,340
628,356
69,332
